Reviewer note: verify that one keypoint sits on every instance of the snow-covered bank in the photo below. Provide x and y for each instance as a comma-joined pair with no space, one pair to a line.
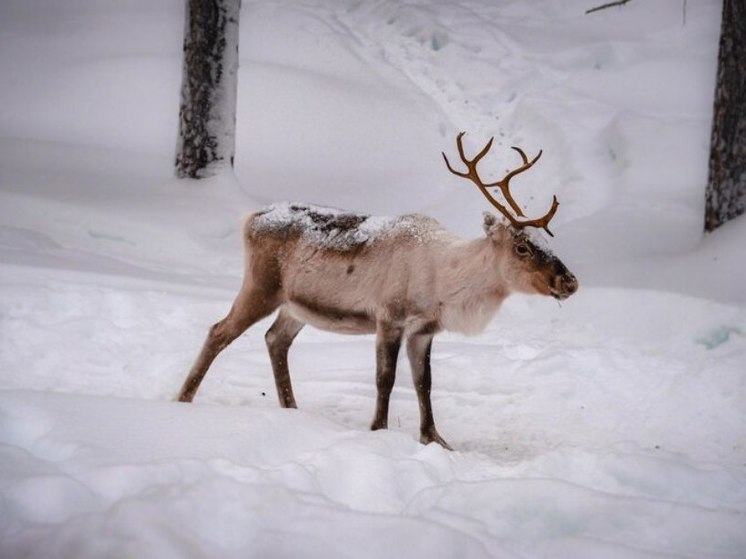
613,425
97,477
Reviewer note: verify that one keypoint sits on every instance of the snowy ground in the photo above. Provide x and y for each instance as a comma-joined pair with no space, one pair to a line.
613,425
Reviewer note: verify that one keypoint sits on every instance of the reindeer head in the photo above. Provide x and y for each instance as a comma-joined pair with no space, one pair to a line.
527,266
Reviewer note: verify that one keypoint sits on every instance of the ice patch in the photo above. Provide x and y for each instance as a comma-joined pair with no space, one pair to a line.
718,336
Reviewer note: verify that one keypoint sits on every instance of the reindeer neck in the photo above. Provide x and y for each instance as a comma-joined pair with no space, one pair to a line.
471,287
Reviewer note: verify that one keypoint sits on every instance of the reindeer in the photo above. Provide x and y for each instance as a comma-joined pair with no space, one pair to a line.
403,277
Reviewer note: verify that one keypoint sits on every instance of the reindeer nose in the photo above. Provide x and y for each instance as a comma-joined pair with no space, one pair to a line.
568,285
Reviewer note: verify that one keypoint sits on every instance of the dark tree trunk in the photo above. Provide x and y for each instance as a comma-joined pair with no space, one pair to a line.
207,114
726,188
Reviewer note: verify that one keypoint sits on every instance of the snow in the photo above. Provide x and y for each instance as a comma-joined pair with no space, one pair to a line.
612,425
330,228
337,229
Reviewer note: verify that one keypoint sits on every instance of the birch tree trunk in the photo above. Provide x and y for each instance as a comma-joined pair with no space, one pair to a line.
207,113
726,188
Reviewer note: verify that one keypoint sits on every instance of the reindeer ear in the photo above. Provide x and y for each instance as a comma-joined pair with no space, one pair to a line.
496,229
490,221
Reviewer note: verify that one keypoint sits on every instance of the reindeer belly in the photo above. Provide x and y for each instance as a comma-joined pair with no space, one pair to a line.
325,315
337,291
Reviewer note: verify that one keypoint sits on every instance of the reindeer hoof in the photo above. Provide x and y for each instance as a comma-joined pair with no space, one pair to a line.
378,425
434,437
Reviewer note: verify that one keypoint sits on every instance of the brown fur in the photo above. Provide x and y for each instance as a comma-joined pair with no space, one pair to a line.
408,281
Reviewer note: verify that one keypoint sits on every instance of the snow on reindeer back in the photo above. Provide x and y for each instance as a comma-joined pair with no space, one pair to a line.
337,229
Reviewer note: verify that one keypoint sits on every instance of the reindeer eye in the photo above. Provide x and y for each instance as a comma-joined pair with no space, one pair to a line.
522,250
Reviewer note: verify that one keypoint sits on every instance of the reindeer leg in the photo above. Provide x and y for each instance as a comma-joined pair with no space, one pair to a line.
418,351
246,311
279,338
388,342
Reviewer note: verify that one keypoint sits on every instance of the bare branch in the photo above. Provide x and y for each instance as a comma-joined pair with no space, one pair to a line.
607,5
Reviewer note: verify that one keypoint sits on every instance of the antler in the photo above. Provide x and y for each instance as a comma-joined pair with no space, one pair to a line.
503,184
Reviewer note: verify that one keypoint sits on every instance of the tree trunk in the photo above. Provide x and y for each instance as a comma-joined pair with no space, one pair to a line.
207,113
726,188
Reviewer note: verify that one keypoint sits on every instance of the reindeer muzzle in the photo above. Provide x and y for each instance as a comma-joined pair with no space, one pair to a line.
564,286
